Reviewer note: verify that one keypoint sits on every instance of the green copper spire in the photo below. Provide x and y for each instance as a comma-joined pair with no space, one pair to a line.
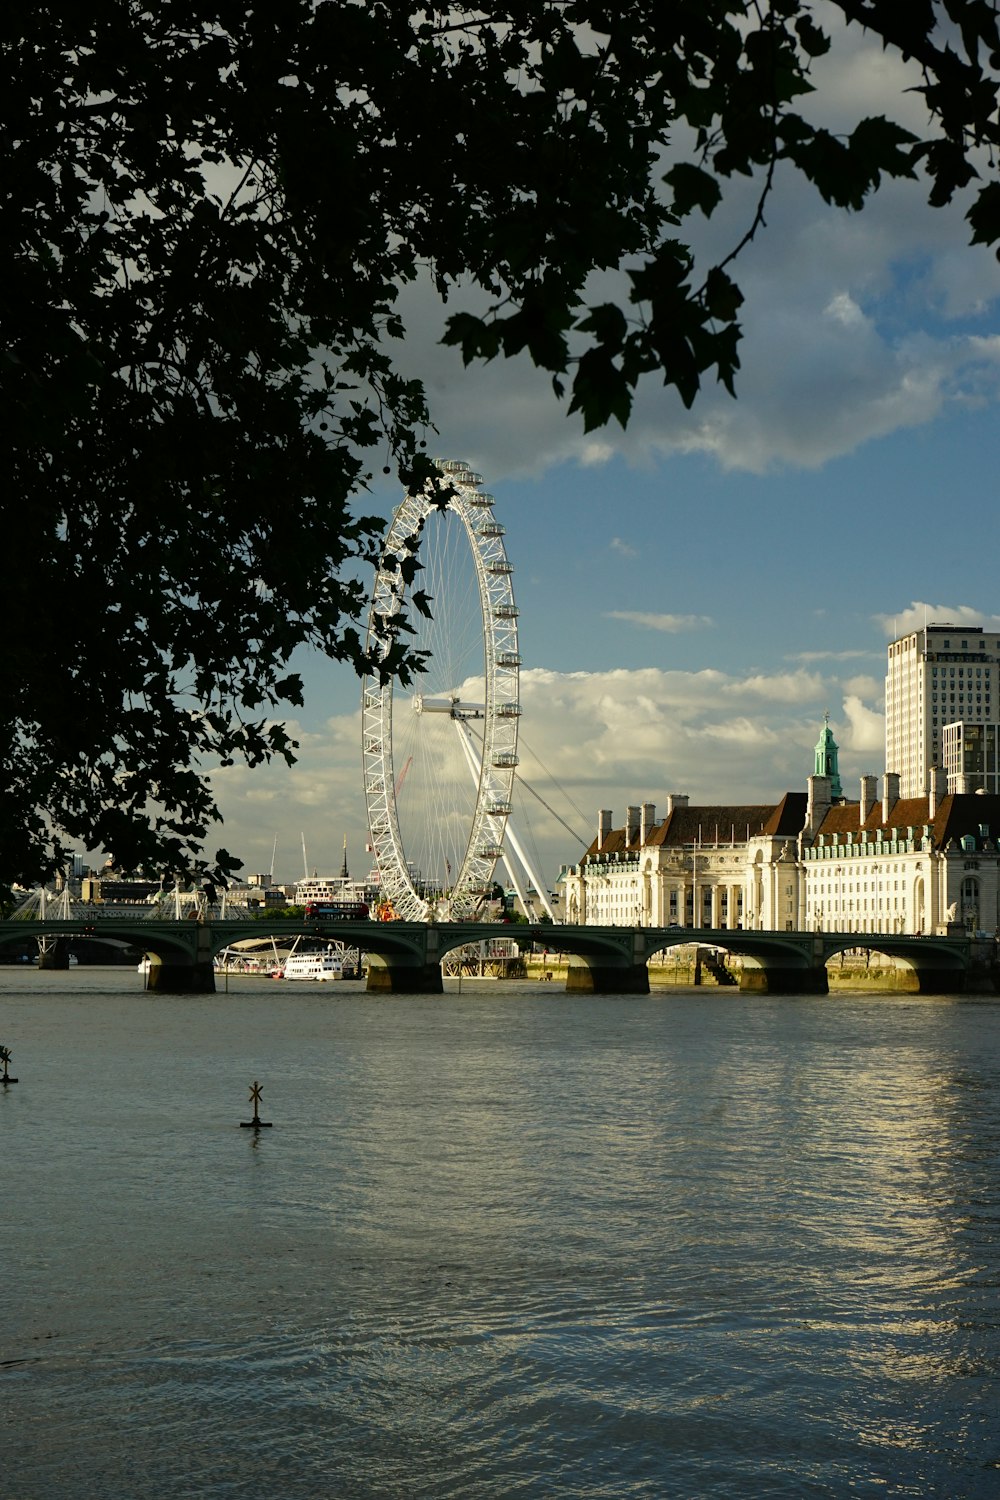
826,760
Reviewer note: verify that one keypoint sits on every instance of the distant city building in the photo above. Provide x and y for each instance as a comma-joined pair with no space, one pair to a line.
336,887
329,888
970,757
937,677
256,895
101,889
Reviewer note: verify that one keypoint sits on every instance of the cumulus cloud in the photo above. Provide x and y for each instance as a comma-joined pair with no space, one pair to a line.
672,624
782,687
588,740
865,728
919,613
869,688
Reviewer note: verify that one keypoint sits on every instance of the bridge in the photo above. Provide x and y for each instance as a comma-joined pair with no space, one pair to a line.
405,957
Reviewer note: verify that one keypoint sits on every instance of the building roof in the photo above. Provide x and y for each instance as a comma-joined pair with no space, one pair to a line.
959,814
789,817
712,825
730,823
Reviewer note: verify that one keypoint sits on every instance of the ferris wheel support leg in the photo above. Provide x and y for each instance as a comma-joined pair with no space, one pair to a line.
472,760
512,876
515,844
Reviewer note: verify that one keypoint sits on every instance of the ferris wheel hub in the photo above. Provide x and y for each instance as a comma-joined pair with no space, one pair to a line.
451,706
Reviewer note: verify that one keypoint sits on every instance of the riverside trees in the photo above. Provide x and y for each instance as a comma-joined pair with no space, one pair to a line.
209,212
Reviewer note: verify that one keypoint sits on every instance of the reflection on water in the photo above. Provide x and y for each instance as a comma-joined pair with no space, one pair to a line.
502,1243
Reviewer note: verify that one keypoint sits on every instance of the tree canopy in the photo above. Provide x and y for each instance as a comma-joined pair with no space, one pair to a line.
210,210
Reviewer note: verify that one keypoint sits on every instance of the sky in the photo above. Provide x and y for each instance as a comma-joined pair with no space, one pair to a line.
697,592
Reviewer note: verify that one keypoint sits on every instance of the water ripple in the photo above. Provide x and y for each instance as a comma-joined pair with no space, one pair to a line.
502,1245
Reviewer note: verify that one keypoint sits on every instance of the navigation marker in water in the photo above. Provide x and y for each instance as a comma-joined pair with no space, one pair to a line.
256,1123
5,1059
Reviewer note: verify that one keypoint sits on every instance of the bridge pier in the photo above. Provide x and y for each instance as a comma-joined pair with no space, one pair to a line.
179,976
596,978
389,977
53,953
947,981
784,981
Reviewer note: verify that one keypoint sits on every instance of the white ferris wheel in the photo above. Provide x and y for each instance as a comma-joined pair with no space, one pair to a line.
439,758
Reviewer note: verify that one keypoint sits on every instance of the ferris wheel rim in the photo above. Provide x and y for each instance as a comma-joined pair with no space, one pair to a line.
501,711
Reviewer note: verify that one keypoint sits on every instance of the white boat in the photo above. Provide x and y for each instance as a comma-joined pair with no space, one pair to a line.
315,966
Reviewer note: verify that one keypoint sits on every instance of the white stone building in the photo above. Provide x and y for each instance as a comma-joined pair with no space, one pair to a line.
808,863
903,864
708,866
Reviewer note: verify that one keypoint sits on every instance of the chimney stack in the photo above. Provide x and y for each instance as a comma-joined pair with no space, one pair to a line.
890,795
676,799
820,797
938,789
869,794
648,821
603,826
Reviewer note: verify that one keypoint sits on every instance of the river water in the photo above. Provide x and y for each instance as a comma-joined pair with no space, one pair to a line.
497,1243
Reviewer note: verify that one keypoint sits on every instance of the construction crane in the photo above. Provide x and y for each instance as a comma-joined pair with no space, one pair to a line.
402,775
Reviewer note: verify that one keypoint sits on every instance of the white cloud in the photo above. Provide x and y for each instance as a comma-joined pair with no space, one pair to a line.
624,549
589,740
672,624
810,656
918,614
866,728
869,688
783,687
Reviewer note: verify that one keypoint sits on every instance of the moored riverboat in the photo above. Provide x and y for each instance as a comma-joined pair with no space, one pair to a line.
316,966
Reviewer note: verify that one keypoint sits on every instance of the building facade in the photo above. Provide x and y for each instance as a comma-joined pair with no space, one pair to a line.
940,676
709,866
925,864
970,757
889,864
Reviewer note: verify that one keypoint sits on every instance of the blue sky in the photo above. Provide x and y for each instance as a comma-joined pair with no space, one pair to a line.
696,592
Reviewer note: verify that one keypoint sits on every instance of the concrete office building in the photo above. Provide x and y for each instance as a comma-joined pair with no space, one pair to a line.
939,676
